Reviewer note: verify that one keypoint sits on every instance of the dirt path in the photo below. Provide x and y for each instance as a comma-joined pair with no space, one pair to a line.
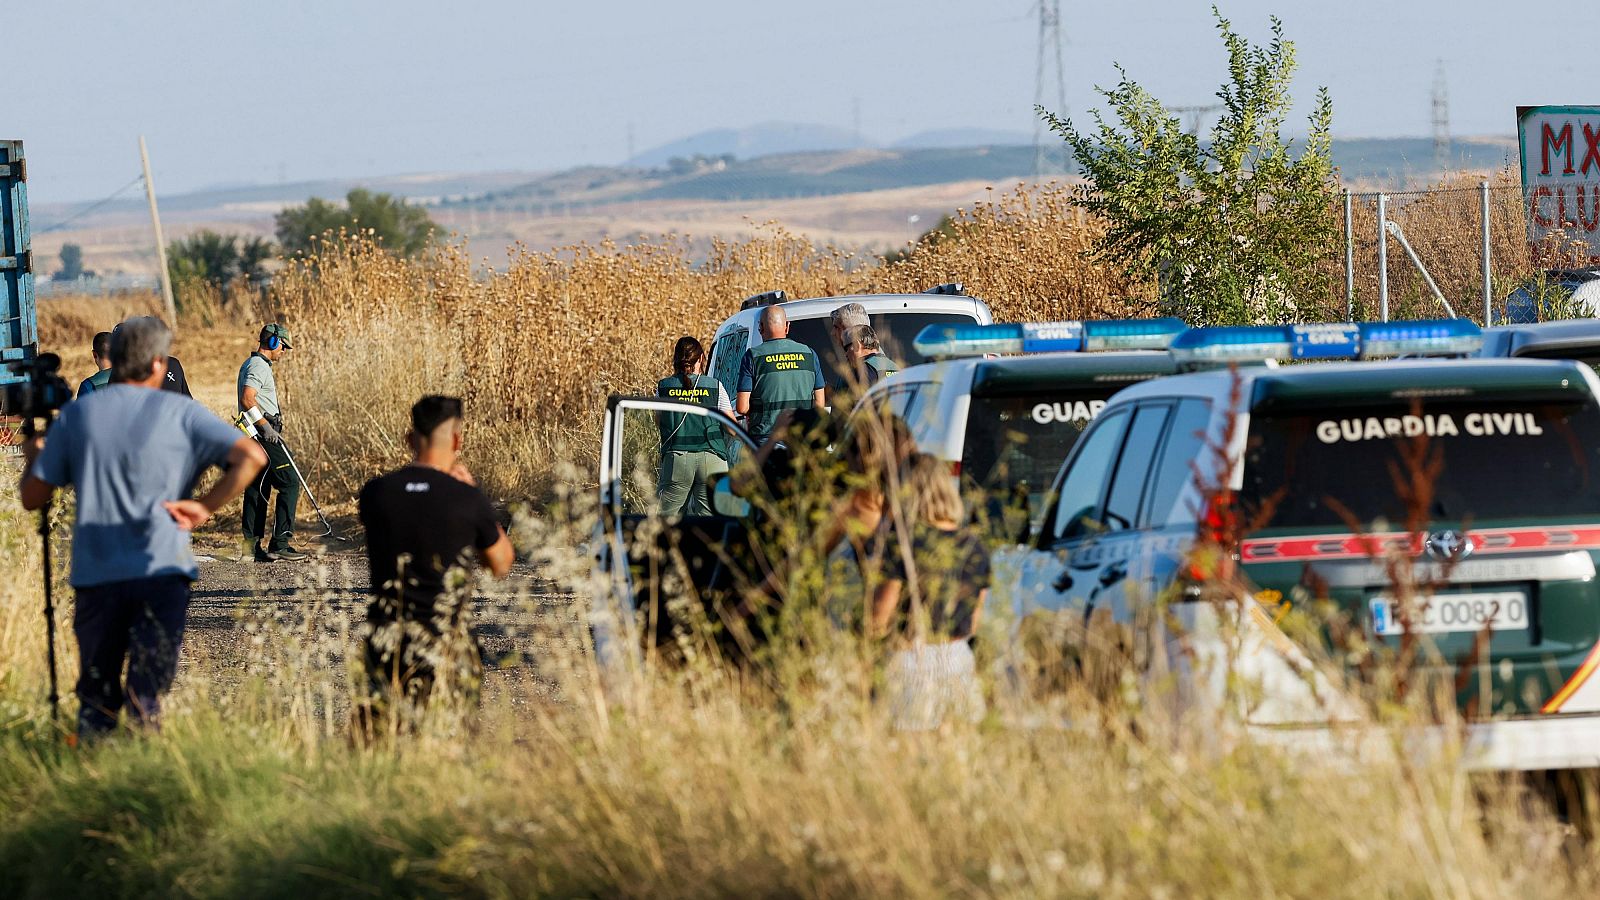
245,616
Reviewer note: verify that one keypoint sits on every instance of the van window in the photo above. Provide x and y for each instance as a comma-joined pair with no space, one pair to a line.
725,358
1498,459
1078,500
1019,442
895,330
1133,469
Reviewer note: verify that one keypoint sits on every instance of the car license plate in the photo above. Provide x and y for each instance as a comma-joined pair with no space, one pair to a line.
1500,610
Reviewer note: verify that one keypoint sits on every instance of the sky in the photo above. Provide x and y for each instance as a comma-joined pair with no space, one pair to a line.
231,92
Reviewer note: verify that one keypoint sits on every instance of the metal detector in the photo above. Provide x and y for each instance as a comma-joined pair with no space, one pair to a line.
326,525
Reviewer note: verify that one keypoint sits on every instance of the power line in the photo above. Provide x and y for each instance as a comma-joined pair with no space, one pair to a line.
139,179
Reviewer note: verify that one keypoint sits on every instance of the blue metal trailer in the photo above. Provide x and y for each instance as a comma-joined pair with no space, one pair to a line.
19,327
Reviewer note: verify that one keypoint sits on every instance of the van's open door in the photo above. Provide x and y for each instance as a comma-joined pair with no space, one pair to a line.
642,555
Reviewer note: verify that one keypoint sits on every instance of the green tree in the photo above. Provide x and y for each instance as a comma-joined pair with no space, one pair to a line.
1230,227
403,228
208,256
71,263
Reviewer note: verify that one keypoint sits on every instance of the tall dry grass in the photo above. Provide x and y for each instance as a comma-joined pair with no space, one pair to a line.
536,348
705,785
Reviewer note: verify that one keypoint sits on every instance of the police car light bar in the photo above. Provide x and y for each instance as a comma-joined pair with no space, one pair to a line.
1335,340
948,341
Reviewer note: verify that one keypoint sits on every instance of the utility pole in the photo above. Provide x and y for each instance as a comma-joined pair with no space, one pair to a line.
161,243
1441,119
1049,47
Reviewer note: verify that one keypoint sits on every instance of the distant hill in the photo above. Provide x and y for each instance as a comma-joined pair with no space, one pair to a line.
963,137
764,139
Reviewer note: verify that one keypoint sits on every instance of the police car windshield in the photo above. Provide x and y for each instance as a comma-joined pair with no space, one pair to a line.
1498,459
895,332
1022,440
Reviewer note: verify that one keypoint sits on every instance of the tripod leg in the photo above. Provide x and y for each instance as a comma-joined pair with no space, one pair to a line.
49,612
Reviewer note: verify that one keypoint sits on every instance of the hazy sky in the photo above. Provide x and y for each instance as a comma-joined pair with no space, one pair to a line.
229,91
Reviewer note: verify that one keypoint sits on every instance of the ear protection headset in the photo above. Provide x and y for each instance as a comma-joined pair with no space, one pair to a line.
271,339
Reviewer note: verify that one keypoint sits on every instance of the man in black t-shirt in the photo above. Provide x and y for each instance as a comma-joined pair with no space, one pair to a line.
426,524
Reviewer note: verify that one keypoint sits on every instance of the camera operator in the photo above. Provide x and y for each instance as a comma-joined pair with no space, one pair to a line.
102,360
134,452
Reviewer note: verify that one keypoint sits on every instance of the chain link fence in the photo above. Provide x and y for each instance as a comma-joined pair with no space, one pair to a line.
1470,237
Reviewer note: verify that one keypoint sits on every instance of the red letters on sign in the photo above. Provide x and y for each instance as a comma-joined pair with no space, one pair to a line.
1591,143
1550,139
1593,222
1542,190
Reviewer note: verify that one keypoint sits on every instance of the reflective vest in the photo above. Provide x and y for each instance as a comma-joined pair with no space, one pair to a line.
785,379
685,433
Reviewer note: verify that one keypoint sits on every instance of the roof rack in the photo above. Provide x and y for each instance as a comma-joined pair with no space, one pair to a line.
765,299
952,288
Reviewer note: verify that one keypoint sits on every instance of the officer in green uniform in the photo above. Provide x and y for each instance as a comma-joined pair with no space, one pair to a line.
258,400
693,448
102,360
862,348
777,376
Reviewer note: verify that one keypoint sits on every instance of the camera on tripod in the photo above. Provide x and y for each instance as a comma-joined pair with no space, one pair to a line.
40,392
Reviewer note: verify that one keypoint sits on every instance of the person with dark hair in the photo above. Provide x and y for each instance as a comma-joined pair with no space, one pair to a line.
426,524
101,348
693,448
258,400
134,453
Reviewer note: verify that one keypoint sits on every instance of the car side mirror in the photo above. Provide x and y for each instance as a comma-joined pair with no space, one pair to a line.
724,502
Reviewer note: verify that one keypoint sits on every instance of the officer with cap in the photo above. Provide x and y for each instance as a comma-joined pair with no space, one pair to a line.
777,376
258,400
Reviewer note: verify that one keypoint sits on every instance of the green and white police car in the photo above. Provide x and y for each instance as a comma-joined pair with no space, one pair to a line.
1313,455
1005,403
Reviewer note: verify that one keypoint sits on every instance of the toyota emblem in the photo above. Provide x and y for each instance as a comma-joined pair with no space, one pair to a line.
1448,545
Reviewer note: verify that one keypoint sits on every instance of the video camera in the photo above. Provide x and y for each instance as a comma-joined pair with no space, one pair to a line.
40,392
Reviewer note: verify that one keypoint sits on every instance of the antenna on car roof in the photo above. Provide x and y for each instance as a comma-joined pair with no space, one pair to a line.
766,299
954,288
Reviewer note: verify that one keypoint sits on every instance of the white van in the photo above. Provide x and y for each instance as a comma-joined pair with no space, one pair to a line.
897,319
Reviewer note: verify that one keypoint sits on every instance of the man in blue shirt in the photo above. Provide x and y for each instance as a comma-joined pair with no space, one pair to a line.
134,453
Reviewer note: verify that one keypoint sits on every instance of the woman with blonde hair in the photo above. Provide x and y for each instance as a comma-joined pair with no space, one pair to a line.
935,581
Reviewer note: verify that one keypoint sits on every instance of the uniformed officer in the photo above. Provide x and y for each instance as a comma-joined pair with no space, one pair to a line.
258,392
777,376
102,360
862,348
693,448
864,360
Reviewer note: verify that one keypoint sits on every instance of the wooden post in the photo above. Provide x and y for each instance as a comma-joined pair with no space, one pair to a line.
161,242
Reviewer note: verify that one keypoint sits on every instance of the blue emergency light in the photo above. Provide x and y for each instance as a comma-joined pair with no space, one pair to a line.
1333,340
948,341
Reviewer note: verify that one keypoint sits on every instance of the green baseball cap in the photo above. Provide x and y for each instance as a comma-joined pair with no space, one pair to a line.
282,333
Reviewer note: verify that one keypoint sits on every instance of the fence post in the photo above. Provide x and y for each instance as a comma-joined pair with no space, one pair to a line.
1383,256
1483,208
1349,262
